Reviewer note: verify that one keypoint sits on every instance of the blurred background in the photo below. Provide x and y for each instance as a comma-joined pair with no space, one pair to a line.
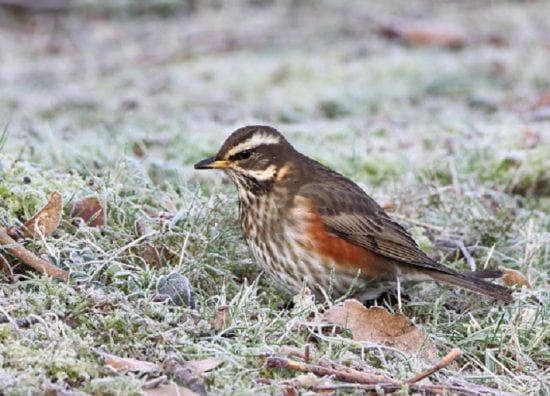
85,82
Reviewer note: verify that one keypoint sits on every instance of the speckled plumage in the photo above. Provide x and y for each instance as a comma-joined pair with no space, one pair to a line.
308,225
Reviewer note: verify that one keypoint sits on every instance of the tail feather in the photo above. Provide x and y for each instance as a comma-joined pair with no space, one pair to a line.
485,274
473,281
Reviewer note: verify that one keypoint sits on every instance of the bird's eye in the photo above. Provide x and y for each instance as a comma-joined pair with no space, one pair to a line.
245,154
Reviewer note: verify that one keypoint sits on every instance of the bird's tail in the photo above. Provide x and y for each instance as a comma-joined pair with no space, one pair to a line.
472,281
485,274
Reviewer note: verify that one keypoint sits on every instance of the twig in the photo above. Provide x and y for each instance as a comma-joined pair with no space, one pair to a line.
368,381
154,383
184,375
307,356
6,267
337,366
454,354
459,244
392,388
342,373
480,389
292,351
467,256
29,258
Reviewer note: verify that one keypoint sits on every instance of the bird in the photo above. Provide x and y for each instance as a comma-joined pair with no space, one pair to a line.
307,225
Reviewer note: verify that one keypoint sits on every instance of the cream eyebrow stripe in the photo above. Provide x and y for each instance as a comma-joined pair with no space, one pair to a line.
255,141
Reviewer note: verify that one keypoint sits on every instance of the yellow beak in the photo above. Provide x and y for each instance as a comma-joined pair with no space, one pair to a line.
212,163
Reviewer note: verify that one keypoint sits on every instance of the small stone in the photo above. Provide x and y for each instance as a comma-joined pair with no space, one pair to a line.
177,288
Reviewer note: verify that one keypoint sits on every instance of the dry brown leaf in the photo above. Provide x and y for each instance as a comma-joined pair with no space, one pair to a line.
199,367
128,364
189,373
512,277
46,220
289,390
221,318
90,210
389,206
425,34
170,390
379,326
152,255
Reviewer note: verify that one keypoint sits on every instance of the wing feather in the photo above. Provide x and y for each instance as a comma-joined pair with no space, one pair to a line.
353,215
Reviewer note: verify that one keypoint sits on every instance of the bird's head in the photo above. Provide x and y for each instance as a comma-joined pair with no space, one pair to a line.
254,157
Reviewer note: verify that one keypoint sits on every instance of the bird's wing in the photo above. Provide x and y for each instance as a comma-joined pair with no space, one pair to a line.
354,216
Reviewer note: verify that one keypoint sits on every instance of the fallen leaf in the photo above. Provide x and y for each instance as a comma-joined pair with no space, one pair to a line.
170,390
199,367
152,255
289,390
189,373
221,318
121,364
46,220
90,210
389,206
377,325
512,277
425,34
